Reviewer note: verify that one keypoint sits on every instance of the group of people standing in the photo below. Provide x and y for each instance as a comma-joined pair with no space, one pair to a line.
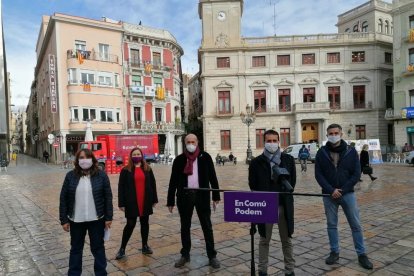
86,199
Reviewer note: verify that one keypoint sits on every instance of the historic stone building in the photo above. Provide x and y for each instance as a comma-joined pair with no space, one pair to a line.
297,85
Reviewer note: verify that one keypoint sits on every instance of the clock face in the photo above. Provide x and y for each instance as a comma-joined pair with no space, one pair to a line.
221,16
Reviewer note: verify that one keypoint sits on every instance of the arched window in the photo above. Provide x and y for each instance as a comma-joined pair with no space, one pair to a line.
364,27
380,26
387,27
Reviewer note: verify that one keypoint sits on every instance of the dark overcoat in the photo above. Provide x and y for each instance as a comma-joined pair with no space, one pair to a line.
260,180
127,194
206,177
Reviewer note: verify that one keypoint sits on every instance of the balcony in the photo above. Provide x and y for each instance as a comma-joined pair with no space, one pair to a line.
148,65
155,127
225,112
311,107
82,55
409,71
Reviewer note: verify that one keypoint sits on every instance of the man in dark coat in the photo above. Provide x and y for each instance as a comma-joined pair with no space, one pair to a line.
262,179
337,170
194,169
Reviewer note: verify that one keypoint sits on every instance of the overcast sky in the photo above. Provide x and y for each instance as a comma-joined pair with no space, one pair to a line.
21,22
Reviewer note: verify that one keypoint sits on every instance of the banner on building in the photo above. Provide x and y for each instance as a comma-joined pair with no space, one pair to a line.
52,83
407,113
150,91
137,89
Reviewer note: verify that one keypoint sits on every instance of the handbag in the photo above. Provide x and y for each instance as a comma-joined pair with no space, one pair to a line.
367,170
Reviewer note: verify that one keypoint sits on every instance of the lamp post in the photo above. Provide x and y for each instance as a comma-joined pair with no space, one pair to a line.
248,118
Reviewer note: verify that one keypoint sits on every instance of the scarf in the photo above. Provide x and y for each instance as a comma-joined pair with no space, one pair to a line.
274,158
338,149
191,157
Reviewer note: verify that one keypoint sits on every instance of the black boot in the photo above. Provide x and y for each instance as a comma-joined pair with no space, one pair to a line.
120,254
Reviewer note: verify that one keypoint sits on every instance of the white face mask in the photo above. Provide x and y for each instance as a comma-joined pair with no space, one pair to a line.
334,138
271,147
190,147
85,163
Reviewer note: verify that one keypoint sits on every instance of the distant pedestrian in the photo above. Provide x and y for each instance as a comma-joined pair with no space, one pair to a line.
337,171
137,195
364,161
406,148
46,156
303,157
194,169
86,206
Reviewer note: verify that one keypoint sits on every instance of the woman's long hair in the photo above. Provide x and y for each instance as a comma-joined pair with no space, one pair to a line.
144,165
365,147
92,170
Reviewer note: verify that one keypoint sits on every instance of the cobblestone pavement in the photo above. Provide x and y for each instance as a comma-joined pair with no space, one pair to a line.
32,241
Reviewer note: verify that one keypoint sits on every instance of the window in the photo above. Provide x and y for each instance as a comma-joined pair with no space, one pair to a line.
360,132
380,26
80,45
411,97
309,95
387,27
283,60
116,80
259,61
157,82
87,78
260,138
104,52
359,96
75,115
118,117
89,114
284,137
333,57
284,100
137,113
364,27
156,60
225,140
411,56
96,147
308,58
104,80
72,75
158,114
260,100
223,62
411,19
358,56
136,80
224,102
334,96
388,57
106,116
135,60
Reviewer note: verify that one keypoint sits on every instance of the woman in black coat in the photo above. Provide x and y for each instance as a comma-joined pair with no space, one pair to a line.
137,195
364,161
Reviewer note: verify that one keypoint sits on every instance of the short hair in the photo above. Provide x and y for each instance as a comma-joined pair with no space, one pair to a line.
270,132
334,126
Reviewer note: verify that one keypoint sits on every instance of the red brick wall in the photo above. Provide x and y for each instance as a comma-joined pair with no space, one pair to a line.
126,51
148,112
168,112
146,53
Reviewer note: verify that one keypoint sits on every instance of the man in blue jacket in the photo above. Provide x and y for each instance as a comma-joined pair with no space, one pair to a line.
337,170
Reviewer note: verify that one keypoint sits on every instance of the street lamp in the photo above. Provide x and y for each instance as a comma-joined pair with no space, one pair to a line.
248,118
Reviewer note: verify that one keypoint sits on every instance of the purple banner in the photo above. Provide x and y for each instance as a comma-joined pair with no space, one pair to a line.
256,207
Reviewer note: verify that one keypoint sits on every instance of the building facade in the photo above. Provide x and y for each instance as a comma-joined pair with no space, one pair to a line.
401,113
297,85
121,78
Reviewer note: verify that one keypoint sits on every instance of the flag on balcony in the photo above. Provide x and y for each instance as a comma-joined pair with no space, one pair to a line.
80,57
86,86
148,68
160,93
411,35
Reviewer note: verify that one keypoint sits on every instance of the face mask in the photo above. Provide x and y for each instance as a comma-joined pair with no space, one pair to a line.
271,147
136,159
190,147
85,163
334,138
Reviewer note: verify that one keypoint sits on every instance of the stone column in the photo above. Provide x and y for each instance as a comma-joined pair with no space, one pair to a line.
298,132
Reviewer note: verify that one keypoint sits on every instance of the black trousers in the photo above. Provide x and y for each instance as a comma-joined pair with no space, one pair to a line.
129,228
185,204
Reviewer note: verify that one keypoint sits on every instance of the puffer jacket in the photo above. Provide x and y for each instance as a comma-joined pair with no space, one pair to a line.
101,191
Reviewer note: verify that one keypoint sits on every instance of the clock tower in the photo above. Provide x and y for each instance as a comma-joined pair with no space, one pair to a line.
221,23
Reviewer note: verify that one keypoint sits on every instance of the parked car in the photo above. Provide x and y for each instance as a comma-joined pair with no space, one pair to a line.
410,157
293,150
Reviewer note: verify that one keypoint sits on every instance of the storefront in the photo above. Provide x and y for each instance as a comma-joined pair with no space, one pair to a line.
72,143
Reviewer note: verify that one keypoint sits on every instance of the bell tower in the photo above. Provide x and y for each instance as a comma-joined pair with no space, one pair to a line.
221,23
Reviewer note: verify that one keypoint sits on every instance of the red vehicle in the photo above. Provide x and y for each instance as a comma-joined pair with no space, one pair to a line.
116,147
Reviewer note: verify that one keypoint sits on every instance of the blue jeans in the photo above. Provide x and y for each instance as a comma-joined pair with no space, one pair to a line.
349,205
78,231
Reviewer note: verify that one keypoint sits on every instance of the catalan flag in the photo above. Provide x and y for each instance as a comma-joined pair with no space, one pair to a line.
411,38
148,68
80,56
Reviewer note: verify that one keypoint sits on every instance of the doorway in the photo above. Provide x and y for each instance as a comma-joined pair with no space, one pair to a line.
310,133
